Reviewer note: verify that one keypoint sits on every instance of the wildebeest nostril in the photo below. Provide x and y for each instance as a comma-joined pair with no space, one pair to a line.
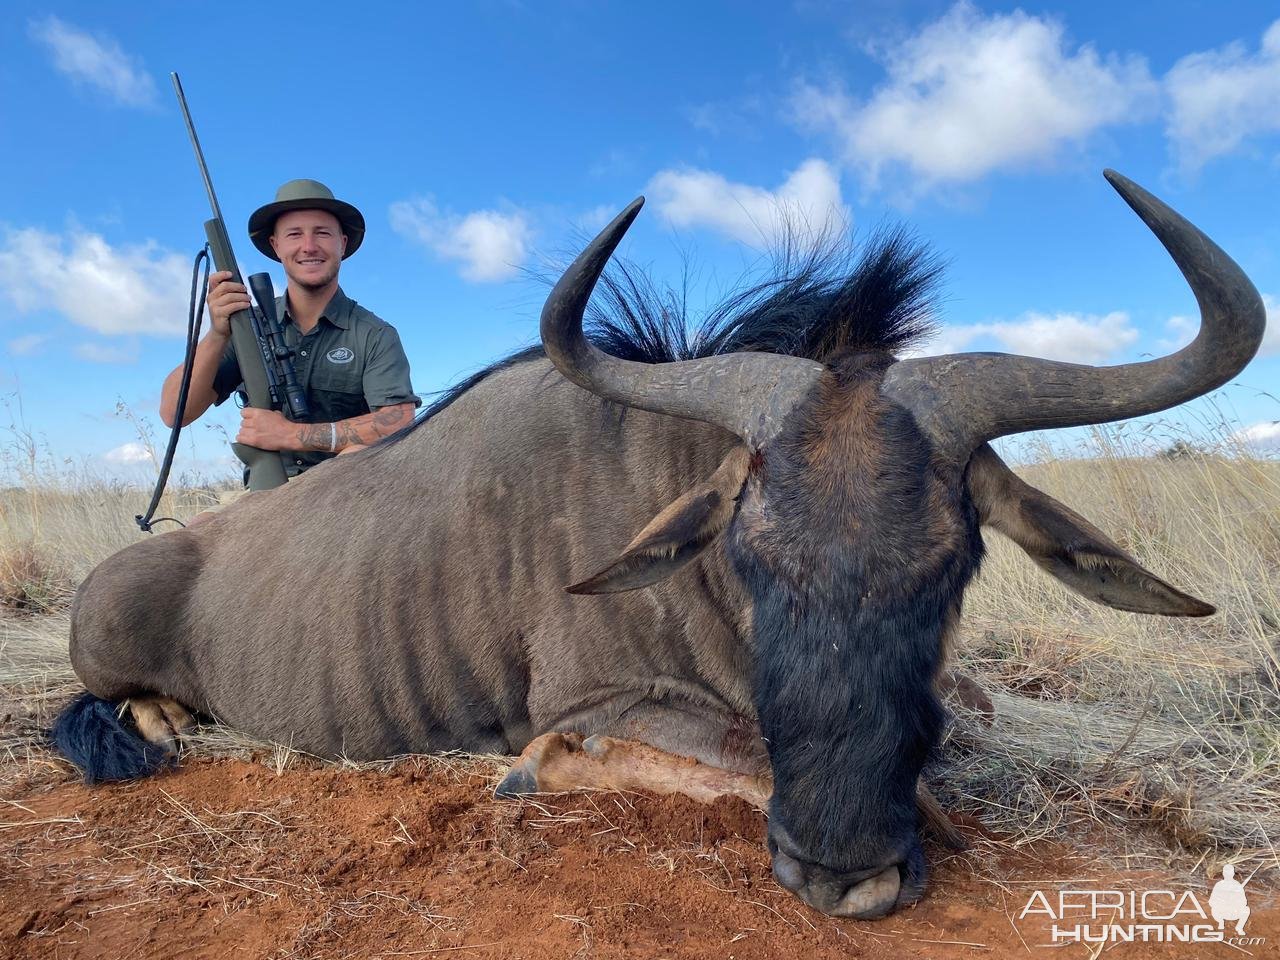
861,895
870,898
788,871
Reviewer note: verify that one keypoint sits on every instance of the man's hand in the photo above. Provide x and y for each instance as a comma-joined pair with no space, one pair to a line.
267,430
225,298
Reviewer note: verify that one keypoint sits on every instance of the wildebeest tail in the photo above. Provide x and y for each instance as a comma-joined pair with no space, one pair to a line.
91,734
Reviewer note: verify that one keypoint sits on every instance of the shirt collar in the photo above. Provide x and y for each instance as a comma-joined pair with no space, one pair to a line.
337,311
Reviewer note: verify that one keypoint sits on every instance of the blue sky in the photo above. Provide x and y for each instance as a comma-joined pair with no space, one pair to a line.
482,140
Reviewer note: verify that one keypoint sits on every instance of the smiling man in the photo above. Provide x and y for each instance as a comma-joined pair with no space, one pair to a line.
349,362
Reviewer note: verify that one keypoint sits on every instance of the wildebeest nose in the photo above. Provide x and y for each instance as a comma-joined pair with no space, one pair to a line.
788,871
871,898
866,898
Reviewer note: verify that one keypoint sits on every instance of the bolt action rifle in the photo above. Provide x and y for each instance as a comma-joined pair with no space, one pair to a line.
269,381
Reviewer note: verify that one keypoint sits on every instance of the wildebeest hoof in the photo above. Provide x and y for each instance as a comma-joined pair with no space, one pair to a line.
528,774
518,782
160,720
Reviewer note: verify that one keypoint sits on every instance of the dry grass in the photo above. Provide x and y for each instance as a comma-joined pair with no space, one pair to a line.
31,582
1106,720
58,519
69,529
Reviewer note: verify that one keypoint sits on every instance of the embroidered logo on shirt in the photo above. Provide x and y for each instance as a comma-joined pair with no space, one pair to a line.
340,355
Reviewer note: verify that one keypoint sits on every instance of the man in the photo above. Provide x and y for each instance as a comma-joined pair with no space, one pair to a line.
348,361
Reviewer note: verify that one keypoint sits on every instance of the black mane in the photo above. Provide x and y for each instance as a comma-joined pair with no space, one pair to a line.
818,302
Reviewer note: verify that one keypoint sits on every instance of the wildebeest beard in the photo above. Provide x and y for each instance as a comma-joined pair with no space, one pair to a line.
856,548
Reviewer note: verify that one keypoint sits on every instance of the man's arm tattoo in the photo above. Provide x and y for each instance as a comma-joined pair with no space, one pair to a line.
365,429
372,427
349,433
313,436
389,419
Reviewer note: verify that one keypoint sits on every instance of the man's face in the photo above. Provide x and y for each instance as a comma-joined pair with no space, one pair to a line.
310,244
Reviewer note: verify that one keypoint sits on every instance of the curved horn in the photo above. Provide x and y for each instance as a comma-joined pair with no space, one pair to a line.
749,394
963,400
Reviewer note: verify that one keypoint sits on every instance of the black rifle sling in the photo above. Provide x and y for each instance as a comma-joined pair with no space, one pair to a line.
194,318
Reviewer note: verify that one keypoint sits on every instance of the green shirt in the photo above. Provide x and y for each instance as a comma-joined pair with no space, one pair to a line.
349,364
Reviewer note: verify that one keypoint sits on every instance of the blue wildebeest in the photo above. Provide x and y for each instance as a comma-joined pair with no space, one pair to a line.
815,504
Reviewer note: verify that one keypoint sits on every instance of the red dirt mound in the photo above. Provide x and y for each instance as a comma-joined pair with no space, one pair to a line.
229,859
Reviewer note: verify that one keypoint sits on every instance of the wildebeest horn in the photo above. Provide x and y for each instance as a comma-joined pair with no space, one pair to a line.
963,400
749,394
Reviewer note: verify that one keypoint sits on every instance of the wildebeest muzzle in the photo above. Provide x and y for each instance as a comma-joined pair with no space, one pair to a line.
864,894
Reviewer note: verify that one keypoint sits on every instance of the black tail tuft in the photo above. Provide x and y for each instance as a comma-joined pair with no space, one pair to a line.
91,735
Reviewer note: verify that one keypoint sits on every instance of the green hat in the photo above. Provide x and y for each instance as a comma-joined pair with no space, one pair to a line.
305,195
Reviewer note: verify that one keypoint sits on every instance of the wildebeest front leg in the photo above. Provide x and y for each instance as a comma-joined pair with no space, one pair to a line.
160,720
560,762
557,762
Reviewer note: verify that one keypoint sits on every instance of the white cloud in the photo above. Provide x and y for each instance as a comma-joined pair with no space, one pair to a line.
491,245
808,200
132,452
97,61
949,338
111,290
970,94
105,353
28,344
1073,338
1182,330
1262,436
1222,97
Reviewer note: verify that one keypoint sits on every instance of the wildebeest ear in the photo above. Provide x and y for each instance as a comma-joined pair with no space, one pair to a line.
676,535
1069,546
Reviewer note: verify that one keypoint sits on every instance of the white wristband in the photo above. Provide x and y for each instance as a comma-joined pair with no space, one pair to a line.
333,438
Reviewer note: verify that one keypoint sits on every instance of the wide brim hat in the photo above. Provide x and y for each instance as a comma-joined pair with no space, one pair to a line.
305,195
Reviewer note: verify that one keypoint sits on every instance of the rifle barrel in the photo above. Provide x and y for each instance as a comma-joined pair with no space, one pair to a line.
195,143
